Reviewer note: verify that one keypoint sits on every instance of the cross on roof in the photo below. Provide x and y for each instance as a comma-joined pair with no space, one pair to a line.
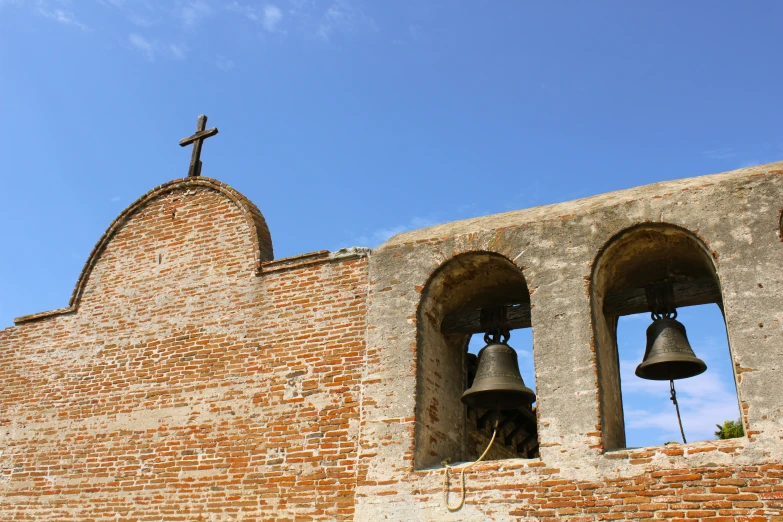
198,140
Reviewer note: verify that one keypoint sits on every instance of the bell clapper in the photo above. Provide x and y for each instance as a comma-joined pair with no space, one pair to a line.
677,407
462,470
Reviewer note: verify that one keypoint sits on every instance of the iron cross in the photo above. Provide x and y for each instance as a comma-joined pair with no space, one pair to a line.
198,140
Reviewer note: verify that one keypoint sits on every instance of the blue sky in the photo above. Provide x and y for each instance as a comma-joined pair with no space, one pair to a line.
348,121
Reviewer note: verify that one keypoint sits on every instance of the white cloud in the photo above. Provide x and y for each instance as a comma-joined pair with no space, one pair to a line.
269,16
152,49
60,16
224,63
705,400
139,20
178,51
417,34
341,16
272,17
382,235
133,17
142,44
245,10
721,153
193,12
338,16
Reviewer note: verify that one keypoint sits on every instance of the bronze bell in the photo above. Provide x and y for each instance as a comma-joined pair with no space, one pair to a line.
498,384
668,355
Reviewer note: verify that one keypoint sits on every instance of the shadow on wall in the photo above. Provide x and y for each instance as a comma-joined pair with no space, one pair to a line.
445,427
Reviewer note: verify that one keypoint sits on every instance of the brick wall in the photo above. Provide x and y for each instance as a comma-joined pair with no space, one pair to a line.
187,386
193,378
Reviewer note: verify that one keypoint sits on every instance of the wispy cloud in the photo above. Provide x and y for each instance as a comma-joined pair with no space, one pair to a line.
152,49
224,63
341,16
721,153
143,45
193,12
337,17
705,400
131,14
60,16
272,17
247,11
381,235
178,51
139,20
417,34
269,15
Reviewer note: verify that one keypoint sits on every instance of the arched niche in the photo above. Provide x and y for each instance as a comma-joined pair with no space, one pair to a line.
465,283
633,259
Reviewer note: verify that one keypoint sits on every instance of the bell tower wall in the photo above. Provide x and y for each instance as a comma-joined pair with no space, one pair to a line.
731,224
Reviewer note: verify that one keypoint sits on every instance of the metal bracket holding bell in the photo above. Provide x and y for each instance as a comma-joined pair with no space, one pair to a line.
494,321
660,299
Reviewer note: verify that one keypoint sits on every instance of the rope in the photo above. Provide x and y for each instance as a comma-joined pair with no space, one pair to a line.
462,469
677,407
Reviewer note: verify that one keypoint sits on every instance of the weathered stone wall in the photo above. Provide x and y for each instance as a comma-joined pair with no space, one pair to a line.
736,215
192,378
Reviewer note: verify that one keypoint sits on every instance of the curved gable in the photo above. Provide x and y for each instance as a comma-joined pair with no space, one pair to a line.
258,230
215,222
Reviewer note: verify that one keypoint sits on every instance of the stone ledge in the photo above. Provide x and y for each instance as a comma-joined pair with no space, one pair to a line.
43,315
676,449
312,258
344,254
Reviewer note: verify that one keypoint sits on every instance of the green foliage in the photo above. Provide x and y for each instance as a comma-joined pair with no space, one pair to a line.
730,429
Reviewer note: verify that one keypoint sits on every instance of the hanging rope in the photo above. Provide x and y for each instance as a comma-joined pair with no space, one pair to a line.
677,407
462,470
